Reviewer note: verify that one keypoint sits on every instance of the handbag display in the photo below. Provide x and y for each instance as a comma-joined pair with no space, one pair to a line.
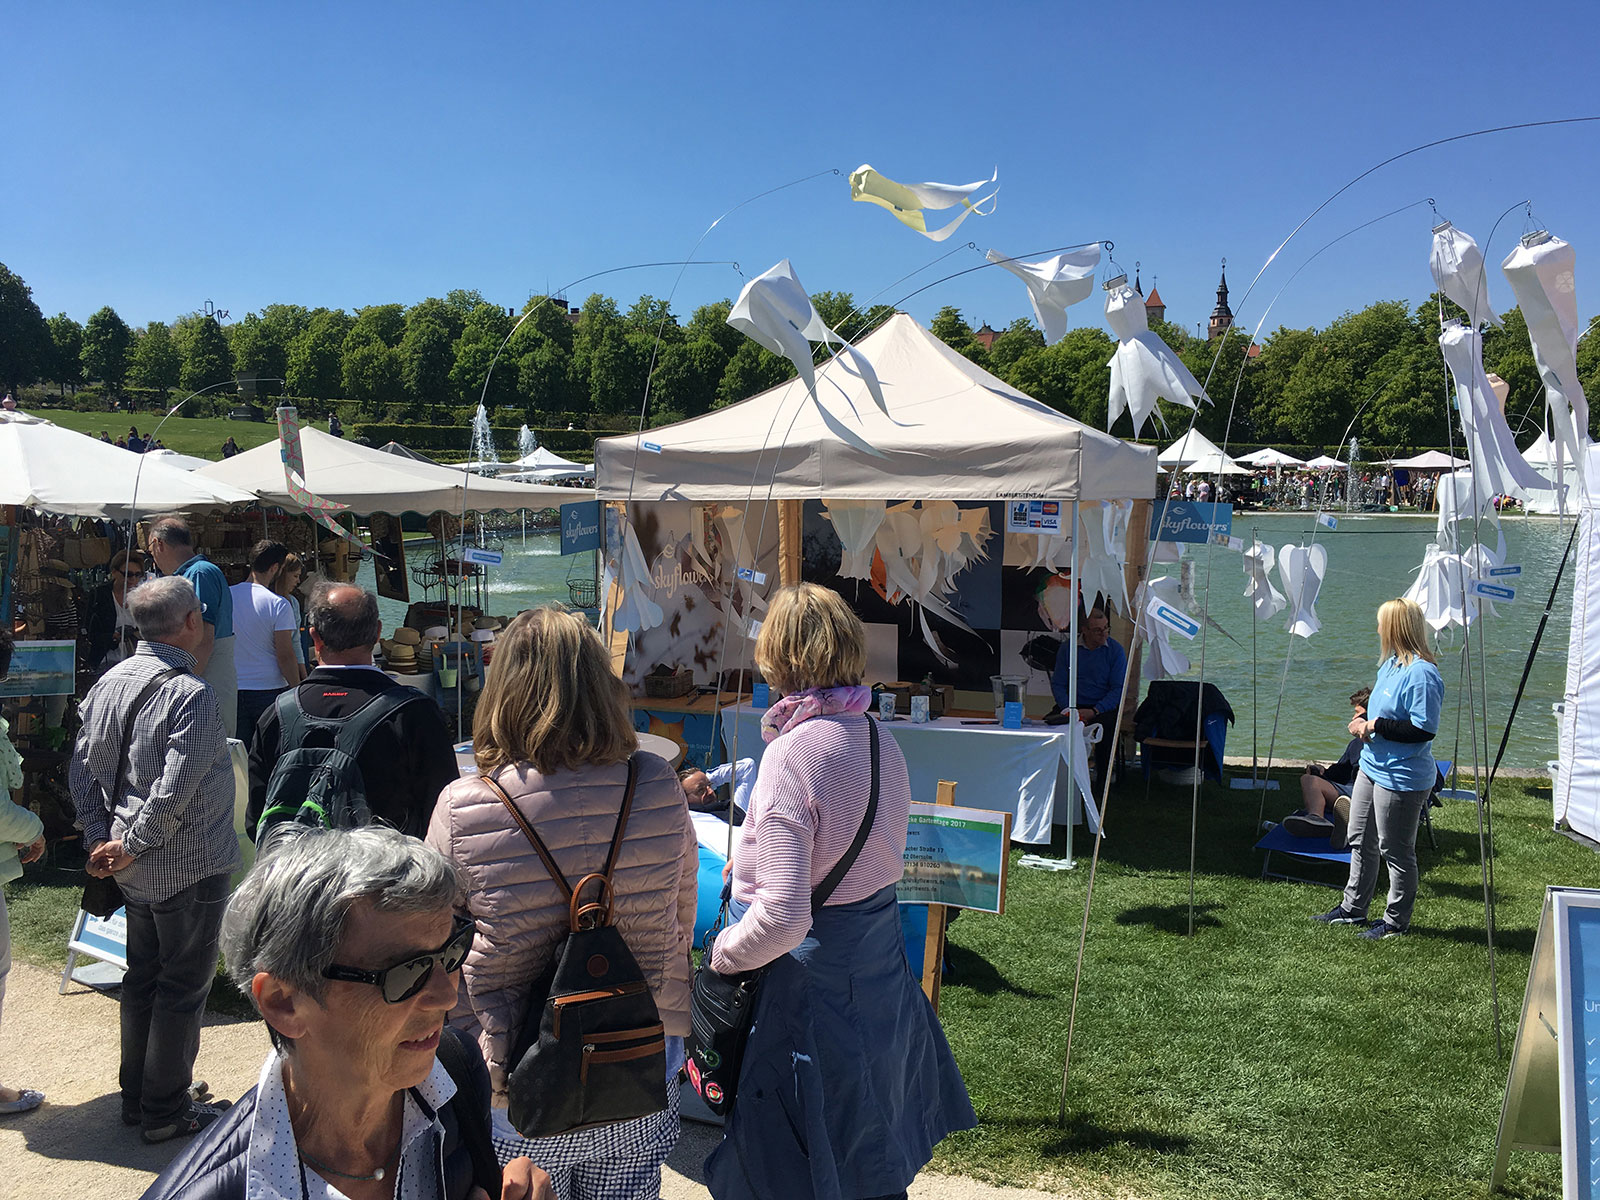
722,1007
102,895
592,1050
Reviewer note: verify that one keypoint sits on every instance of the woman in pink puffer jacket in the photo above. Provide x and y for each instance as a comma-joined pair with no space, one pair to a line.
553,728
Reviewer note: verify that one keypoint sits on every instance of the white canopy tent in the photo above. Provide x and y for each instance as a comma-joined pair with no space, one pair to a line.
1270,458
1191,446
56,470
1541,455
178,462
543,466
1323,463
1429,460
1214,464
369,481
952,432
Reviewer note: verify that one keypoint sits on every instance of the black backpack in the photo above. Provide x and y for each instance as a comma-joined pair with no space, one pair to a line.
316,780
592,1050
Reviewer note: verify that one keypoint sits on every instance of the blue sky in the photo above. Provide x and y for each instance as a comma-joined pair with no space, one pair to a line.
158,156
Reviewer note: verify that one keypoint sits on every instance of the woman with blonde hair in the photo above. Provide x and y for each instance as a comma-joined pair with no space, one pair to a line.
553,737
847,1082
1397,772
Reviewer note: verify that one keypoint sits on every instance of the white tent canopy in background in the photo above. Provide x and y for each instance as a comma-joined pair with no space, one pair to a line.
1186,449
1550,501
369,481
56,470
178,462
1215,464
1323,463
542,465
1429,460
1270,458
1576,795
952,432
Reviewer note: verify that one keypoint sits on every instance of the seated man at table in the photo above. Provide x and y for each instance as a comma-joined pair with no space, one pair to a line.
1325,791
1102,670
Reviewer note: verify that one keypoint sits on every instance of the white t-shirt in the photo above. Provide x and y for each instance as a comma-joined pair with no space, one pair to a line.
258,613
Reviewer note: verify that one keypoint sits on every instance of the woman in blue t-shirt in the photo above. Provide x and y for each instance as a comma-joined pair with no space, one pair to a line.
1397,772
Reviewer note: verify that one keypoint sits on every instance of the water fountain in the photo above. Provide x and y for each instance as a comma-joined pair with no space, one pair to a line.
482,447
1350,474
527,442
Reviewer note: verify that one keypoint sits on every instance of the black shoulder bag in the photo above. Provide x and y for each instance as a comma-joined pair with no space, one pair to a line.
592,1049
102,895
723,1007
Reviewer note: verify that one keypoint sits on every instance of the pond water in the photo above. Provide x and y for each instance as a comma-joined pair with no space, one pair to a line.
1370,559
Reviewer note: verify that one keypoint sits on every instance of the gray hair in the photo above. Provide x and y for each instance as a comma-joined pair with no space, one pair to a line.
159,606
344,624
288,916
172,531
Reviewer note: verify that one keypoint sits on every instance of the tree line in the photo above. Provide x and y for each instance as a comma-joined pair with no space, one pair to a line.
1378,368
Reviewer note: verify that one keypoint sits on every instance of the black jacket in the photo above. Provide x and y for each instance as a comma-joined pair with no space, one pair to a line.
404,765
213,1166
1344,771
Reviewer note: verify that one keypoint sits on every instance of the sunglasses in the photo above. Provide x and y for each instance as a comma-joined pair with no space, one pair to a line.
405,979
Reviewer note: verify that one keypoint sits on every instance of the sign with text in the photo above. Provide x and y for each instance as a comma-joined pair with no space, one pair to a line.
1492,591
580,526
1034,516
1189,521
956,856
1177,621
42,669
484,558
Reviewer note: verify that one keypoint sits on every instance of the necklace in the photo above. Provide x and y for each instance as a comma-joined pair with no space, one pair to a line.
377,1174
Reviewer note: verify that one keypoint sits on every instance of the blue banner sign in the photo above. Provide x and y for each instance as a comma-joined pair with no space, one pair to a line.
1492,591
580,526
1187,521
1503,572
1178,622
484,558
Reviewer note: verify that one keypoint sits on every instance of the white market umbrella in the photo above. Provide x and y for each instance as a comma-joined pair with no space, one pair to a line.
1191,446
55,470
1214,464
1323,463
1270,458
1431,460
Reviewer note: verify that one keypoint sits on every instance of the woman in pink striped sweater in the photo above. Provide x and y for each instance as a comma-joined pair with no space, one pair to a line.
848,1082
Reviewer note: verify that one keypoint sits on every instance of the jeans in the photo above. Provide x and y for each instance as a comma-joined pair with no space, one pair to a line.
1383,823
252,704
172,961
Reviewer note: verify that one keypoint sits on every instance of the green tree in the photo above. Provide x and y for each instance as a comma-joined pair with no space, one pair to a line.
105,348
616,373
427,353
25,344
464,300
709,323
386,322
482,332
155,361
66,337
370,369
751,370
1019,337
951,328
654,318
207,360
314,360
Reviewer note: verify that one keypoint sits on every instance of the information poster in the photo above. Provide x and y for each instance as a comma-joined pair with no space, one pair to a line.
41,669
389,561
956,857
1577,925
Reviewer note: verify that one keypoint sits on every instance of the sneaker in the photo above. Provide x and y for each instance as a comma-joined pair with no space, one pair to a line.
1305,826
1381,929
188,1123
1340,915
199,1093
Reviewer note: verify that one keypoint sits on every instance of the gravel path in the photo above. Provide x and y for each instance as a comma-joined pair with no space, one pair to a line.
76,1145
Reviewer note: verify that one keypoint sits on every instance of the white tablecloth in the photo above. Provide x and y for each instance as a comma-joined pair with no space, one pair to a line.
1020,771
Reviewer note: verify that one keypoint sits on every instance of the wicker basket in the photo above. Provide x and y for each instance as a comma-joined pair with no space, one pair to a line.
669,687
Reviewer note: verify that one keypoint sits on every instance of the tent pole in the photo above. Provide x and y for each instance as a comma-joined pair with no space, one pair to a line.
1072,678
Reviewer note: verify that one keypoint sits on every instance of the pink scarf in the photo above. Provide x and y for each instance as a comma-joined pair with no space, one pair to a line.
813,702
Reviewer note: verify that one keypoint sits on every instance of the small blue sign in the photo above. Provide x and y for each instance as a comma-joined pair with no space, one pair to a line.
1178,622
652,447
1012,715
484,558
1492,591
1189,521
761,696
751,575
580,526
1503,572
1327,521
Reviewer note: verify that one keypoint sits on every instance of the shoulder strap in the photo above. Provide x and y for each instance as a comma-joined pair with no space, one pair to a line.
830,882
291,720
532,836
622,816
145,696
471,1105
358,726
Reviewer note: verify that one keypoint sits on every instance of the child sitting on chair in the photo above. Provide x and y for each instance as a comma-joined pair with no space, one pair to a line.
1325,791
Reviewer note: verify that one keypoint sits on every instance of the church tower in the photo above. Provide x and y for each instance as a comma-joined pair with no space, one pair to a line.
1221,315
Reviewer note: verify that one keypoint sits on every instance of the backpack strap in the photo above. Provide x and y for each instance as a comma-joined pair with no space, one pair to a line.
532,835
835,877
291,719
146,694
359,725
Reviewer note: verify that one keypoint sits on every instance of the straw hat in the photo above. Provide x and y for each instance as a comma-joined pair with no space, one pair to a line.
406,636
483,624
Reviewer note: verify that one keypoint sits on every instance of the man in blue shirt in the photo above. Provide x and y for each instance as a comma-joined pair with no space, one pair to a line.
1102,668
171,545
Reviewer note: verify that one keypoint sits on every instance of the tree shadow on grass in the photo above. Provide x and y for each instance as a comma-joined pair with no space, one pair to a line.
1084,1135
969,969
1170,918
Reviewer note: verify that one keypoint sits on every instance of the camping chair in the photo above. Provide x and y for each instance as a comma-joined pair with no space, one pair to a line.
1278,840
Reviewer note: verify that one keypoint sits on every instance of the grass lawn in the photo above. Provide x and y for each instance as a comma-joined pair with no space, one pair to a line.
1267,1056
199,436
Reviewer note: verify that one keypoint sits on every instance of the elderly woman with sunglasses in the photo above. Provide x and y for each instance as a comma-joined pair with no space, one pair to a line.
347,943
111,631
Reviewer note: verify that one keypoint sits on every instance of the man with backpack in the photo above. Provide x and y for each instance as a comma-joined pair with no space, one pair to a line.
350,745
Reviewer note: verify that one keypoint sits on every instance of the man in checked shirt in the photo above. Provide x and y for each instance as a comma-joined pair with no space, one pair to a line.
163,826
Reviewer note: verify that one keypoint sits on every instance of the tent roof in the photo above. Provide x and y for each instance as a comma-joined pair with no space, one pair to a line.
1270,458
1430,460
953,432
540,459
370,481
1186,449
56,470
1215,464
1323,463
181,462
400,451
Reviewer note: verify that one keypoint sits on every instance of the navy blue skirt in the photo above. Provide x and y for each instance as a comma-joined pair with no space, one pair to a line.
848,1082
